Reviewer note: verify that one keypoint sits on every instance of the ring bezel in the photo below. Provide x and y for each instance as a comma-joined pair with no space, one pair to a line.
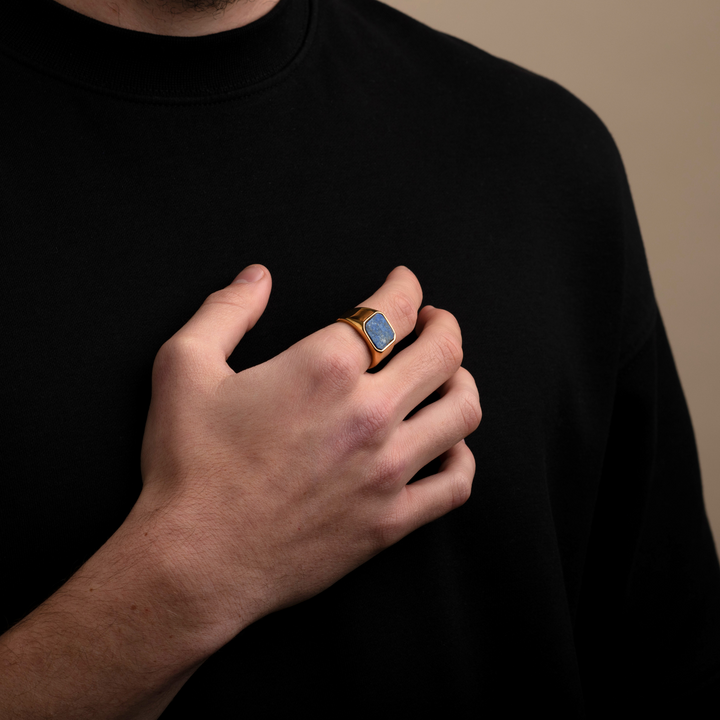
359,318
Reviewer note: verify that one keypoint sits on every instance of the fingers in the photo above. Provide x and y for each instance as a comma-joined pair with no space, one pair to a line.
432,497
399,299
440,425
222,320
425,365
427,435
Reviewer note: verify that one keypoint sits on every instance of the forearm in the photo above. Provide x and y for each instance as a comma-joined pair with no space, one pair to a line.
118,640
260,490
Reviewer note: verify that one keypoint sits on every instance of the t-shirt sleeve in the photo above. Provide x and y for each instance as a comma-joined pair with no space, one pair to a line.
647,627
648,623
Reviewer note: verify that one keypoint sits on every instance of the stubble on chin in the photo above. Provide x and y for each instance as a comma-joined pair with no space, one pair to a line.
183,6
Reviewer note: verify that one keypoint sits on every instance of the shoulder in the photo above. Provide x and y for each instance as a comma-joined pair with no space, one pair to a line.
468,84
526,150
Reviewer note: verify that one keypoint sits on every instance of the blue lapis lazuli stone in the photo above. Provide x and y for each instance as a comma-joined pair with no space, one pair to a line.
379,331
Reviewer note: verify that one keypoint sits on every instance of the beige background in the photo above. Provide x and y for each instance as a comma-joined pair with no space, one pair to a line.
651,70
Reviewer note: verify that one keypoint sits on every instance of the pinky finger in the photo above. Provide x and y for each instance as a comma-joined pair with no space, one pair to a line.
432,497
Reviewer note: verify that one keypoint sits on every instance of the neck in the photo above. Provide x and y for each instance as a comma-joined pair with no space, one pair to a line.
173,17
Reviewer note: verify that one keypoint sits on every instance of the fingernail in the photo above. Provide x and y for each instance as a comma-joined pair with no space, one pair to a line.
251,274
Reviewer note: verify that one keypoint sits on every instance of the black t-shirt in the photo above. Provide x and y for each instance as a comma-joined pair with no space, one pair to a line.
332,140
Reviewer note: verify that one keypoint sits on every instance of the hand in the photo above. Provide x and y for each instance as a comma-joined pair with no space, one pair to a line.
271,484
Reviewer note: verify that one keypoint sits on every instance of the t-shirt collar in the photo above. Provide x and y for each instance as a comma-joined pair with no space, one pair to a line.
53,38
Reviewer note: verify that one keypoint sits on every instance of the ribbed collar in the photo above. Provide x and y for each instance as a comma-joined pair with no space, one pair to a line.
60,41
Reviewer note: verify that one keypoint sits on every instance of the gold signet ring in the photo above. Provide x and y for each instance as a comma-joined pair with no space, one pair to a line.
375,330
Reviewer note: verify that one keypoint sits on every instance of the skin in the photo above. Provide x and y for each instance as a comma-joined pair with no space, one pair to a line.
174,17
243,513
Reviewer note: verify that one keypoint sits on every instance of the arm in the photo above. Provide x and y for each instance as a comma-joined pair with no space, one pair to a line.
648,622
260,490
118,640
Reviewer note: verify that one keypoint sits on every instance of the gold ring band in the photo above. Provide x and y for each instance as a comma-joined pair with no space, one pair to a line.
374,328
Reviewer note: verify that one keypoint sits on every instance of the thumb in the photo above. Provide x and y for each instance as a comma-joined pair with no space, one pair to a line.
227,314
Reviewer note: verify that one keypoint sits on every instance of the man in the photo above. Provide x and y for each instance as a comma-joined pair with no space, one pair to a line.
328,143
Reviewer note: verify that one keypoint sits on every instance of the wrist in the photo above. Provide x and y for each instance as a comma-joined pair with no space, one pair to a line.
125,631
187,580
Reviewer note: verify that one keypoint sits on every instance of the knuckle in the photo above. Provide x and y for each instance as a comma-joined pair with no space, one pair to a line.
408,277
470,411
234,296
447,318
404,309
179,352
461,487
335,367
369,425
388,473
448,351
